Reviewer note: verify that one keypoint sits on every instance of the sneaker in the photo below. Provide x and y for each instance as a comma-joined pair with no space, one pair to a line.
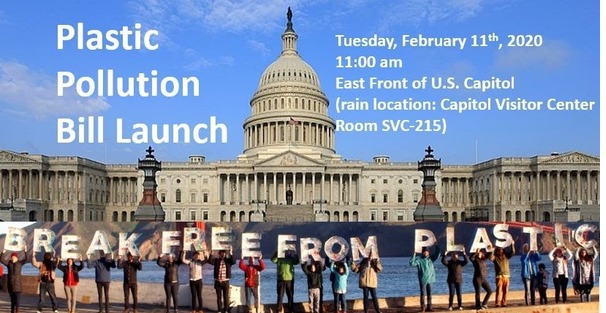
449,308
460,308
484,307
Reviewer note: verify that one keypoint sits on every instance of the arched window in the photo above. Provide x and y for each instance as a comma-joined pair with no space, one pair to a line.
115,216
60,216
527,217
336,214
445,216
178,195
124,216
70,215
518,216
132,216
546,217
400,196
232,216
223,216
242,217
463,216
346,216
454,217
355,216
508,216
32,216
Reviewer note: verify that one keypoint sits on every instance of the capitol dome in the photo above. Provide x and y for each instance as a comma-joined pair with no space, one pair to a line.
289,110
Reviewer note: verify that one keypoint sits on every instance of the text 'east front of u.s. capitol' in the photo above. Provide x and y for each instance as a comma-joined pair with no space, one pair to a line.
366,83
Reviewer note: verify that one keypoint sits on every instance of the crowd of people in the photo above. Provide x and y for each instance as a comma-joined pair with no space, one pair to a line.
534,276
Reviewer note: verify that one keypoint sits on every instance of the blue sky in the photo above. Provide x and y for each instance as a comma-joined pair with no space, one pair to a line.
228,44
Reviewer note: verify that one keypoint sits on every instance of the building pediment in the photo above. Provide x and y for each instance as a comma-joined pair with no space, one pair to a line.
572,158
8,156
289,159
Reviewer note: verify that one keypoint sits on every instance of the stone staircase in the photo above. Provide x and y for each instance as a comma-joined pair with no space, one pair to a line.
289,213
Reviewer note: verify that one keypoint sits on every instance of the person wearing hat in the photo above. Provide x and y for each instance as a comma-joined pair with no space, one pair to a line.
559,261
222,273
171,279
102,267
131,266
478,259
195,279
14,264
46,278
426,274
583,269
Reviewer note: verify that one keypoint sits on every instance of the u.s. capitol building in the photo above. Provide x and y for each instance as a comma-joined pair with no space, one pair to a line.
289,171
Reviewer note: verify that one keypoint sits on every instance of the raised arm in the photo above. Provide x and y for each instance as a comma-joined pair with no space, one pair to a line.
444,260
436,254
35,262
550,255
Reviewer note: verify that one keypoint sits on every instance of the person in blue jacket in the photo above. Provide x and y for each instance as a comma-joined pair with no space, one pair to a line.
530,271
426,274
341,271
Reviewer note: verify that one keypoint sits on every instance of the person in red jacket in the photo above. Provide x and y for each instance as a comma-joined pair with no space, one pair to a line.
70,281
251,281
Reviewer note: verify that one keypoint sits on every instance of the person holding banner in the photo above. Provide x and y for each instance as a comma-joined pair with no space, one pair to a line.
500,258
102,266
455,276
222,273
46,278
529,272
130,267
313,272
559,262
195,280
426,274
341,271
583,269
368,282
171,279
70,281
285,270
14,264
480,274
251,282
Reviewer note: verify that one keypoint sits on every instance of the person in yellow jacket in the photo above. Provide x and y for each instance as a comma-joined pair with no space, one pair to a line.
500,258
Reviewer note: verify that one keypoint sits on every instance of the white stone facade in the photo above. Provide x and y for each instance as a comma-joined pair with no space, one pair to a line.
289,144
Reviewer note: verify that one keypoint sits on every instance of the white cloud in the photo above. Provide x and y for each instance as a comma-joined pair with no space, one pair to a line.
224,15
419,12
26,92
552,54
202,62
259,47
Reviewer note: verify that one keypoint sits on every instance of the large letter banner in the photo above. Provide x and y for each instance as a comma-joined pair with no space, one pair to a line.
286,243
222,238
99,242
581,236
504,238
169,240
329,248
128,244
251,245
70,247
481,241
310,247
43,238
357,248
420,243
533,240
15,239
194,239
450,241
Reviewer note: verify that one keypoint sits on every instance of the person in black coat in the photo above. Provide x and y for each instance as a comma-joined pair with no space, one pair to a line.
455,276
131,265
171,279
222,274
14,264
70,281
480,273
